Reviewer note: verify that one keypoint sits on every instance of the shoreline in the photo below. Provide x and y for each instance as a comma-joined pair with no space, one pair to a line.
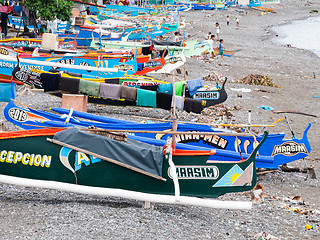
273,38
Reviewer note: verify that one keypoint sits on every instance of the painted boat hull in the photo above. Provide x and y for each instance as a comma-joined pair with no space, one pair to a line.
171,63
276,150
28,154
130,67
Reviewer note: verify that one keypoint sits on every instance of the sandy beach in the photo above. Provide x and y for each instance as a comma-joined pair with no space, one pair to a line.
29,213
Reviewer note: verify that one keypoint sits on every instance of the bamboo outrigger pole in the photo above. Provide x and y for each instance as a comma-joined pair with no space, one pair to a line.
174,116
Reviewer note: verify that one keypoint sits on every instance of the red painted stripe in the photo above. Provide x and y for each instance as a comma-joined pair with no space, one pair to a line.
10,81
30,133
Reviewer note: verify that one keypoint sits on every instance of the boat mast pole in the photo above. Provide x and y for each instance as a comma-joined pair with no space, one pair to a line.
174,116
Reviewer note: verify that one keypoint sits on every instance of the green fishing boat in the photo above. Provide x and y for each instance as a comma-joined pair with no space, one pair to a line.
79,161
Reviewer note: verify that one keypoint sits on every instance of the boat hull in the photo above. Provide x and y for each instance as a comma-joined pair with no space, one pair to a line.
276,150
28,154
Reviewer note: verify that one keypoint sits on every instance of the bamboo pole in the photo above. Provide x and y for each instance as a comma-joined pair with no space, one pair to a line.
174,132
174,117
146,131
112,192
107,159
215,124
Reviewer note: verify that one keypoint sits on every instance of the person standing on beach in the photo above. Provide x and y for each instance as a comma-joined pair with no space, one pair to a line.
218,30
221,47
237,22
212,37
87,11
228,20
4,23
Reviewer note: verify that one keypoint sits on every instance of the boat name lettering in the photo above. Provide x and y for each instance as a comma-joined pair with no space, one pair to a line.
289,149
85,64
152,64
21,44
6,65
125,67
131,83
18,114
66,46
195,172
207,95
30,159
4,51
26,66
212,140
173,60
83,158
67,61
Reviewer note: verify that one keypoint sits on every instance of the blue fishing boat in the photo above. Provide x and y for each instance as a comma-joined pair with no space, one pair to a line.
254,3
116,67
276,151
36,119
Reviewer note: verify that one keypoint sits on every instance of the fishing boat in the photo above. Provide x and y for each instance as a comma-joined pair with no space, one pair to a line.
226,53
130,9
107,68
158,45
78,161
202,97
220,4
276,151
263,9
171,63
36,42
254,3
17,22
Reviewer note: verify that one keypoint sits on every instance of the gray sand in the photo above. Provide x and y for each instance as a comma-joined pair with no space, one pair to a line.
29,213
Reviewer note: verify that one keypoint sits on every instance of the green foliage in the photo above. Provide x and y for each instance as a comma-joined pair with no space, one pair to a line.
48,9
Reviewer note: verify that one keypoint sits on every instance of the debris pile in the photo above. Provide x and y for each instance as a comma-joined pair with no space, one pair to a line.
220,115
257,79
214,76
220,111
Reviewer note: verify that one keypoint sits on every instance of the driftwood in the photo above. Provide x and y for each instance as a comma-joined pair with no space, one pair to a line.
309,170
285,168
265,172
295,112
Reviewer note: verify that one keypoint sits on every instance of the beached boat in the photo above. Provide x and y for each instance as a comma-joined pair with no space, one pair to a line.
263,9
219,4
201,97
171,63
36,42
226,53
77,161
276,151
254,3
110,68
158,45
